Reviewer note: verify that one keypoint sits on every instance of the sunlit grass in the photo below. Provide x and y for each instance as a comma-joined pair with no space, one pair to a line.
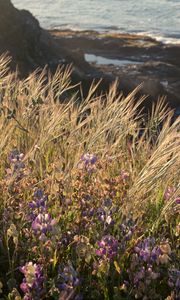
82,154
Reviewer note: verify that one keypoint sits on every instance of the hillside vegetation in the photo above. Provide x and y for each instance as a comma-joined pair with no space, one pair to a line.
89,192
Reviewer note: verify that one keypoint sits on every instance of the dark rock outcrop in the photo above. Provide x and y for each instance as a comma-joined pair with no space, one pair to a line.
141,60
29,45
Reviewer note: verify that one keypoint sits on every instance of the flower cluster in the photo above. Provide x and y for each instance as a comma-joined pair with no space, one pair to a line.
84,237
16,159
43,224
16,167
107,247
88,162
89,159
127,229
147,251
105,216
147,263
32,284
38,205
67,281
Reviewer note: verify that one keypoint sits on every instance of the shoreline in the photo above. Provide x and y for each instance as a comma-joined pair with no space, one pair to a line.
114,33
132,58
166,40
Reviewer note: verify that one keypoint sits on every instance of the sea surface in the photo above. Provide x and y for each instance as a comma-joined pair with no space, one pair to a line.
158,18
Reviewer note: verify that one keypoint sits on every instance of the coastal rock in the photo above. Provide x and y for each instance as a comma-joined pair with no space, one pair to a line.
22,37
133,59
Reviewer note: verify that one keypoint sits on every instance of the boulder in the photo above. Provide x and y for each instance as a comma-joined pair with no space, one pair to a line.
22,37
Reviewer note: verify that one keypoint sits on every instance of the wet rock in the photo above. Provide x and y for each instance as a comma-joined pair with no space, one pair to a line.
141,60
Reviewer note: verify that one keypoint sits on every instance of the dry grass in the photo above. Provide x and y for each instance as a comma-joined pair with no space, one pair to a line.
50,131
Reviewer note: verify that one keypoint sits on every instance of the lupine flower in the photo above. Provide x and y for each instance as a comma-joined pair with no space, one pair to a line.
87,162
139,275
43,224
146,268
67,278
39,201
15,158
147,251
101,214
38,205
89,159
105,215
89,212
127,229
108,247
155,253
32,284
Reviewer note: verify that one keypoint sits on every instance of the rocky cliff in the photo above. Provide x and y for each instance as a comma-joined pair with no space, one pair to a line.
29,45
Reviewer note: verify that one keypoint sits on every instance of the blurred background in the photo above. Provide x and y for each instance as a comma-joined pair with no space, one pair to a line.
157,18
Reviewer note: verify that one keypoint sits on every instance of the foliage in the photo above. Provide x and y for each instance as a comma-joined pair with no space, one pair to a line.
89,193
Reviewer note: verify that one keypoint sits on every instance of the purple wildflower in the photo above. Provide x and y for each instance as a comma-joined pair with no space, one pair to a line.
32,284
139,275
16,158
43,224
105,215
39,201
108,247
155,253
147,251
145,269
127,229
169,192
177,200
101,214
68,278
89,159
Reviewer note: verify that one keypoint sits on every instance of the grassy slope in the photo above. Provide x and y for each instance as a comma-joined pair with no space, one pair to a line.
53,136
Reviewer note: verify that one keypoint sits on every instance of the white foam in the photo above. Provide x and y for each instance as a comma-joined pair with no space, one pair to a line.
162,39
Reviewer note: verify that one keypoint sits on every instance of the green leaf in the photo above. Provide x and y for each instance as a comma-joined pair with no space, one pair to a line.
55,259
117,267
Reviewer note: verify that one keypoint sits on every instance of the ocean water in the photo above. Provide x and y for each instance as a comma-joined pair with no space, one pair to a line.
158,18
